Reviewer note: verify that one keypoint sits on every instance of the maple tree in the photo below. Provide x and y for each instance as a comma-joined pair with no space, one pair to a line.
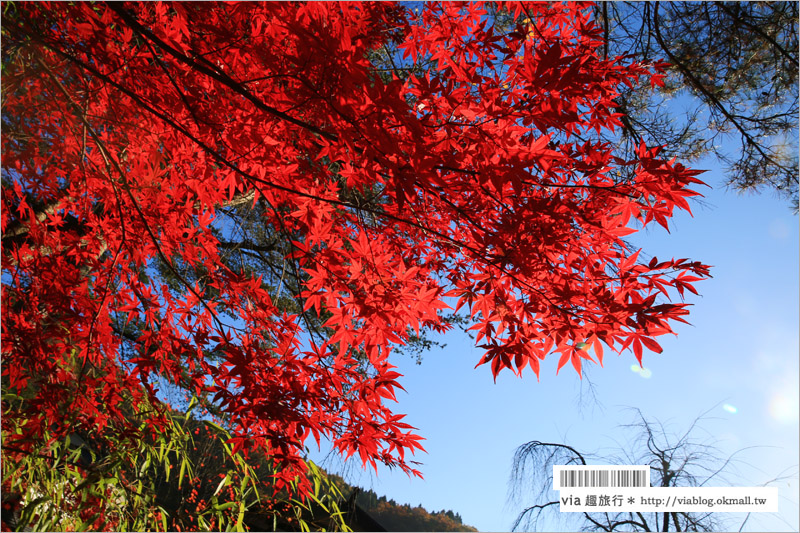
464,170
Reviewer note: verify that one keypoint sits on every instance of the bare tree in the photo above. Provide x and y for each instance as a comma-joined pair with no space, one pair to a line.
676,460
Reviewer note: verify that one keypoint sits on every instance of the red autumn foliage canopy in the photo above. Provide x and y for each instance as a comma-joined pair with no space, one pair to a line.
402,164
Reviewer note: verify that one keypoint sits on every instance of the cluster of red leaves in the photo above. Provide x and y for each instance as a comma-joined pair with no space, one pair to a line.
127,126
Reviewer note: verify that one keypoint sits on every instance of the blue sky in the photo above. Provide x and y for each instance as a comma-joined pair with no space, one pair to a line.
741,349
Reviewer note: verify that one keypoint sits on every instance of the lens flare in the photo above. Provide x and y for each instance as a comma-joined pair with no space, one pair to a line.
783,408
730,408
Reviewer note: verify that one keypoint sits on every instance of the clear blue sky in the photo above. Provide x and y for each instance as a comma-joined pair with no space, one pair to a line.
741,350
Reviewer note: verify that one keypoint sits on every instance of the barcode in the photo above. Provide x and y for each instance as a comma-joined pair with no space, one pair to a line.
606,476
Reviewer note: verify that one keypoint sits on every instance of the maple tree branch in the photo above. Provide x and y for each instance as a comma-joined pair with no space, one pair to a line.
576,186
543,184
236,86
456,169
214,73
181,95
87,128
247,245
477,253
106,156
298,278
219,158
18,229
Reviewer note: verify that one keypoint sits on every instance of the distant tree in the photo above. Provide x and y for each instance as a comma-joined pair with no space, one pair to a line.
739,62
400,517
675,459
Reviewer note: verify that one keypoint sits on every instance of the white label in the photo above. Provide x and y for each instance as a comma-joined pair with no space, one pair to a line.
667,499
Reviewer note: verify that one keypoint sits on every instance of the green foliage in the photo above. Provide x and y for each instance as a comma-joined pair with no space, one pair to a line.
183,477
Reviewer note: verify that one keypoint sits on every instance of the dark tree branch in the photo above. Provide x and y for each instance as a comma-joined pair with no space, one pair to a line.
214,73
697,84
755,29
